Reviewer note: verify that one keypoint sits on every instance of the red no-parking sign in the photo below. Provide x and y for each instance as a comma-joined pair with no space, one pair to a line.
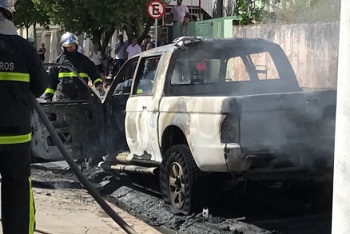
155,9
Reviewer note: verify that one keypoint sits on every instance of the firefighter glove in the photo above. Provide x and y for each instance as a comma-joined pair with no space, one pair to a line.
100,90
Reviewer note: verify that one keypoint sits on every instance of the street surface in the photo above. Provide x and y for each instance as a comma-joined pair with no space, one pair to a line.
63,206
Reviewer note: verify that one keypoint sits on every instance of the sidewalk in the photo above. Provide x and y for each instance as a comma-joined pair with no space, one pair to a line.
74,211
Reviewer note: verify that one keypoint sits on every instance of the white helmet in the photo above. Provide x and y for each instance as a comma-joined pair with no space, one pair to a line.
6,7
68,39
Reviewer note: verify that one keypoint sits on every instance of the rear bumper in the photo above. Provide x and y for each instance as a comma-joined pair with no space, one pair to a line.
288,161
221,158
235,160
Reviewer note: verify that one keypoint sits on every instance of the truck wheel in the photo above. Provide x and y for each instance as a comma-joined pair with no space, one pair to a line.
179,178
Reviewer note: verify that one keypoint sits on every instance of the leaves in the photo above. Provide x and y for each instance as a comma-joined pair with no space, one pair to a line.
246,12
27,14
291,11
97,18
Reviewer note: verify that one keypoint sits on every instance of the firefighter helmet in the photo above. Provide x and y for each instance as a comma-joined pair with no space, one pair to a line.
68,39
6,7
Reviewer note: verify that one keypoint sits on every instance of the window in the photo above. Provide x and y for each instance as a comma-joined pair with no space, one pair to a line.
146,75
236,70
264,66
196,71
124,78
181,73
259,66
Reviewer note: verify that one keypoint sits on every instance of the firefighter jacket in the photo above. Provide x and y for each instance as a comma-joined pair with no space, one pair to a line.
66,83
21,73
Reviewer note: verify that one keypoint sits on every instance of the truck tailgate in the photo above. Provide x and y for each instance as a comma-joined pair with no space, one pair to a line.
279,123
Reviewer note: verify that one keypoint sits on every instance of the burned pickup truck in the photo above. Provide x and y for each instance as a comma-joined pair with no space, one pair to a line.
200,109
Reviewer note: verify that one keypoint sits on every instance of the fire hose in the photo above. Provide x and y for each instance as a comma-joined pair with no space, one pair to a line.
58,142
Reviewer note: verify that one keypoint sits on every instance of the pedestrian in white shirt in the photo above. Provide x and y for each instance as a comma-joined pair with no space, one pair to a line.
179,12
96,57
132,49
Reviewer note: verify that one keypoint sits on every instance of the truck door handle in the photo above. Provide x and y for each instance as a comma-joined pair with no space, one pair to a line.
144,107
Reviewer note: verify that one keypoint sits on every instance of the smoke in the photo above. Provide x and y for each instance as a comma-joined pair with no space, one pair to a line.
290,131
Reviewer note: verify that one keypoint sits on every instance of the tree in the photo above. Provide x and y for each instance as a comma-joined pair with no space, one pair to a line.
27,15
98,18
285,11
248,12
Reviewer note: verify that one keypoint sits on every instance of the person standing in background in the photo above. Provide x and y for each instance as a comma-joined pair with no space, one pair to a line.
145,42
162,40
181,17
133,49
96,57
179,12
42,52
120,50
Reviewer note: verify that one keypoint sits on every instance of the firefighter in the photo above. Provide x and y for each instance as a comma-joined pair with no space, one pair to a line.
21,75
65,82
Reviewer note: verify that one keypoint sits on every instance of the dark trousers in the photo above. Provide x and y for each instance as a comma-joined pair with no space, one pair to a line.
120,62
17,210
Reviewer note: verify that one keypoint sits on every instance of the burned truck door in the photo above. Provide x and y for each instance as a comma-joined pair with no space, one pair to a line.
79,124
114,106
142,111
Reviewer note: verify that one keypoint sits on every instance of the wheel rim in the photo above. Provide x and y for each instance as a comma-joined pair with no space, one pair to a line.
177,185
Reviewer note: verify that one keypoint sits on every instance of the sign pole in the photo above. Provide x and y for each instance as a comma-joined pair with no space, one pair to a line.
156,10
156,34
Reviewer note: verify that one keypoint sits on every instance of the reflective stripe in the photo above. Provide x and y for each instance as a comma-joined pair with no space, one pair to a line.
31,208
6,140
83,75
71,75
97,80
14,76
48,90
66,74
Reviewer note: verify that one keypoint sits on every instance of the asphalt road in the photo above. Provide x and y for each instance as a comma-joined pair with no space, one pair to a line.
259,208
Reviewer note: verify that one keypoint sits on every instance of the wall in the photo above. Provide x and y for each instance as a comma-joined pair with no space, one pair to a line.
311,48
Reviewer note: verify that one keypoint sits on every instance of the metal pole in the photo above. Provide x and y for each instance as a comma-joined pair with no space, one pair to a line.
156,33
341,180
219,10
200,9
191,9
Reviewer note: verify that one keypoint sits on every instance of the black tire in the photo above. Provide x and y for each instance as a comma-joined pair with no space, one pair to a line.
182,195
